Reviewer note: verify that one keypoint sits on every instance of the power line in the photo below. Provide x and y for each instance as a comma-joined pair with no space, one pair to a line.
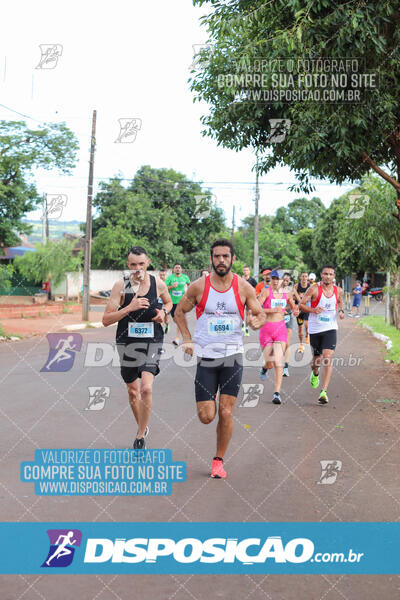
19,113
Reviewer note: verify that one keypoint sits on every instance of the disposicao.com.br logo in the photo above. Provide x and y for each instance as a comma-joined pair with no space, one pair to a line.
247,551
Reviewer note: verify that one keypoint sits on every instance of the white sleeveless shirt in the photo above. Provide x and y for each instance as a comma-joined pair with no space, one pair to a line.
219,315
326,320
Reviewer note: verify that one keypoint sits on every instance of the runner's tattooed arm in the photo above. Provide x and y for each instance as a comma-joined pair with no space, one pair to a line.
340,303
162,292
311,294
112,314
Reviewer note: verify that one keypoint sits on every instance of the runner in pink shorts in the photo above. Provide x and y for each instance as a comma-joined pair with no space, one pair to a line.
273,335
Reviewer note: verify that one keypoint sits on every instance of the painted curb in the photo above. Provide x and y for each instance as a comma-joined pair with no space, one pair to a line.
82,326
379,336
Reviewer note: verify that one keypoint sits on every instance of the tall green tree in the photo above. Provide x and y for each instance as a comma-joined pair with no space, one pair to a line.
171,216
304,240
51,260
371,241
276,248
338,141
23,149
299,214
326,233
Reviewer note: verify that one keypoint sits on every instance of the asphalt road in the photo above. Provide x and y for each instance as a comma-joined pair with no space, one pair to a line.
273,461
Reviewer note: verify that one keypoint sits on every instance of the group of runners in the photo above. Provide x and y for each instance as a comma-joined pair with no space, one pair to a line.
141,304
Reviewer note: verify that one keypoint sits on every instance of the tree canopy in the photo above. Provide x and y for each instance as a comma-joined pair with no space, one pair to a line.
52,259
338,140
301,213
173,218
22,149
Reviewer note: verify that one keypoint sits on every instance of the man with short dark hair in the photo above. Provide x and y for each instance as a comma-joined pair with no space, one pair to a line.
265,282
324,297
247,276
177,284
220,299
133,305
357,291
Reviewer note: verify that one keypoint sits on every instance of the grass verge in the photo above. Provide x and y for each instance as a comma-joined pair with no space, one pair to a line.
378,324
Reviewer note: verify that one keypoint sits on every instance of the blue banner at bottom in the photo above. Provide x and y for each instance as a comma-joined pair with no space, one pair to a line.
200,548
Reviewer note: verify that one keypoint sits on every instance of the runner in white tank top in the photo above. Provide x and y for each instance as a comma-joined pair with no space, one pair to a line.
219,321
220,299
322,326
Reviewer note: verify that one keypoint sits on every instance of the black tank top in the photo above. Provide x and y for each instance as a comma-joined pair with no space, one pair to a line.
301,289
143,315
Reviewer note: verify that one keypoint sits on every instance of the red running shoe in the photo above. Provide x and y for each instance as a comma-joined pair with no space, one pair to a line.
217,469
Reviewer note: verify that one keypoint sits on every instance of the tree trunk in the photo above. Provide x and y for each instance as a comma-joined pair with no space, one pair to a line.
395,300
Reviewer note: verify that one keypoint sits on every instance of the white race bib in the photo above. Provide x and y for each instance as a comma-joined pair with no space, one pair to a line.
287,318
323,318
275,302
221,325
141,330
176,293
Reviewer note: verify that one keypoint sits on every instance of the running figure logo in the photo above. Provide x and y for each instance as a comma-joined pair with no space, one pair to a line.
62,351
201,55
97,397
251,394
330,470
203,205
279,127
358,204
62,550
50,55
128,130
55,204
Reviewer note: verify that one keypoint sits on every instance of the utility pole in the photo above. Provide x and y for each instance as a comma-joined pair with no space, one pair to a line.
88,231
256,257
46,217
233,224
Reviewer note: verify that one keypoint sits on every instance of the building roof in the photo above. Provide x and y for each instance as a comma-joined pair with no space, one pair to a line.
14,251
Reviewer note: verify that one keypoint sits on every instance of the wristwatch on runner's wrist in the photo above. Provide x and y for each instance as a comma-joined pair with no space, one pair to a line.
166,312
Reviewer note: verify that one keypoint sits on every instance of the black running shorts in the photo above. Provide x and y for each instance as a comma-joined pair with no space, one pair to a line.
223,373
173,309
326,340
303,316
138,357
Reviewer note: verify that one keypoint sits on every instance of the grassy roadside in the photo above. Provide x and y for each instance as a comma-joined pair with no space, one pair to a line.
8,335
378,324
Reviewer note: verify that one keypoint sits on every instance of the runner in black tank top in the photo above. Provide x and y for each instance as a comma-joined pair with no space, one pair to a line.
135,305
128,330
299,290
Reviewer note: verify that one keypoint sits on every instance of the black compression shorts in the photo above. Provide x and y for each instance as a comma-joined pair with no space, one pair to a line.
173,309
224,374
326,340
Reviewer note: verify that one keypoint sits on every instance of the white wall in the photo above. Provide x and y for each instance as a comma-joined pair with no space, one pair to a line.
99,280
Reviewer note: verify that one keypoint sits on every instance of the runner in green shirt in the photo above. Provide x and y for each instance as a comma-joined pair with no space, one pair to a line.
177,283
